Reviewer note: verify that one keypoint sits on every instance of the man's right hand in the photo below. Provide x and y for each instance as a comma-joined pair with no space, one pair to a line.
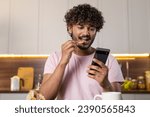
67,48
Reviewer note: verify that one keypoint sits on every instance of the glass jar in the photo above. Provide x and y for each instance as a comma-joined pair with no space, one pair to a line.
134,84
141,83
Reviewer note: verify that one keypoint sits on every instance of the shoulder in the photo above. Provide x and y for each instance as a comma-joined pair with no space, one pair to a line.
54,57
111,57
51,62
55,54
111,60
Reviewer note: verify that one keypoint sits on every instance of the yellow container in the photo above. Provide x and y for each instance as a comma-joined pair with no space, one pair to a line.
27,74
147,77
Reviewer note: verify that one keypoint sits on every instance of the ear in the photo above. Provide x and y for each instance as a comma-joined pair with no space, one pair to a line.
70,29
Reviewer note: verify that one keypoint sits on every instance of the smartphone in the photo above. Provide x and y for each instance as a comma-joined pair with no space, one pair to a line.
101,54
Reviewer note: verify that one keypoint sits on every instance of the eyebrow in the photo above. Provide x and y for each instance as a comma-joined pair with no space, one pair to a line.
82,24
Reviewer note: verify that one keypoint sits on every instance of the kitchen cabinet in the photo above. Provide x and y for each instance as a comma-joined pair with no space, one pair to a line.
52,28
139,25
23,34
38,27
114,35
4,26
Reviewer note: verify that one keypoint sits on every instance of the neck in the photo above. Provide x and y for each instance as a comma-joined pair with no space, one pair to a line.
80,52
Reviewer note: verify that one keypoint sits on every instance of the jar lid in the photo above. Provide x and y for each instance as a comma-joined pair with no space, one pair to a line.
134,80
140,77
147,72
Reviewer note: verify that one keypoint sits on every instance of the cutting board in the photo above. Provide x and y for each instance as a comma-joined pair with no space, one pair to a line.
27,76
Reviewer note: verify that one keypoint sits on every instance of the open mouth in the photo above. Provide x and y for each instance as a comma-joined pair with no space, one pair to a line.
86,38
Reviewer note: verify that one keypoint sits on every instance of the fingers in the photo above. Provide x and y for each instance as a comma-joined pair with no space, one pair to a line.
94,67
97,72
100,63
98,68
69,44
91,76
67,48
92,72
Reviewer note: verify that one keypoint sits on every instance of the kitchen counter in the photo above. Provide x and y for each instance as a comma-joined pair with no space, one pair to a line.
136,92
7,91
123,92
126,95
13,95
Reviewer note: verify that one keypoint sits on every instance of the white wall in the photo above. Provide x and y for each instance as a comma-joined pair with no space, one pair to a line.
52,28
23,35
139,25
4,25
38,27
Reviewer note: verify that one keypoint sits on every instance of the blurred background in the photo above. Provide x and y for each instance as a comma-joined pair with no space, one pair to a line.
31,29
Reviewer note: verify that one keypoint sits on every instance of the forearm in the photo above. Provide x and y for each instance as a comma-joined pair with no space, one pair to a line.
51,86
107,86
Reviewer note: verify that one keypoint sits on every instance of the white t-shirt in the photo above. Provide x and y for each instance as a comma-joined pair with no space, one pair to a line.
76,85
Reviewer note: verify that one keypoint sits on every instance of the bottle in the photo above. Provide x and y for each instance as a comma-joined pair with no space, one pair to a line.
147,77
15,83
39,82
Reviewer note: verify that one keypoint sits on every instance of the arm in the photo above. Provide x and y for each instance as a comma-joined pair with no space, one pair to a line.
51,82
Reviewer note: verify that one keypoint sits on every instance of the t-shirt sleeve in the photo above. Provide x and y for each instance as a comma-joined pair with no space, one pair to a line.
115,73
51,63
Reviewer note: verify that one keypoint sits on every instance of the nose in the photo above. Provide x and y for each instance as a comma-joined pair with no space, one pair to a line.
86,31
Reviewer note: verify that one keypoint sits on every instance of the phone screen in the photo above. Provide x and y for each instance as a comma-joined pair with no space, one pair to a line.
101,54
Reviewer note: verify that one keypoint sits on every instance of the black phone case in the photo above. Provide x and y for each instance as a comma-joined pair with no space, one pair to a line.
101,54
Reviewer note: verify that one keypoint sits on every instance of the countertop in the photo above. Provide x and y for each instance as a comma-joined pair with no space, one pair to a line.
7,91
136,92
123,92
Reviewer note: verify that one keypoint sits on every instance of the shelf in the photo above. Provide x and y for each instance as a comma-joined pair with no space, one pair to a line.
13,91
136,92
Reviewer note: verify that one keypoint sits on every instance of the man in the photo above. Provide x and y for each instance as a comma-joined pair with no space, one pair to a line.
69,74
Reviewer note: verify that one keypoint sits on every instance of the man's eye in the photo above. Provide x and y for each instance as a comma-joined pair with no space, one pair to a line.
80,27
92,29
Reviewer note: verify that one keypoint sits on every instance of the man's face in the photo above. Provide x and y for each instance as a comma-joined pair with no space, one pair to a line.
83,35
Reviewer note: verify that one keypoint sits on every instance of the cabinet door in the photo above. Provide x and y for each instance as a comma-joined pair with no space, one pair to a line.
114,34
23,37
52,28
139,22
4,25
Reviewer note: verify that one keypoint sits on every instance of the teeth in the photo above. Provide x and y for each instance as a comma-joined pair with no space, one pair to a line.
84,38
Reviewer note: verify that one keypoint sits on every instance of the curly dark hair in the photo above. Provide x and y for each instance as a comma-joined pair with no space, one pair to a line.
85,14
